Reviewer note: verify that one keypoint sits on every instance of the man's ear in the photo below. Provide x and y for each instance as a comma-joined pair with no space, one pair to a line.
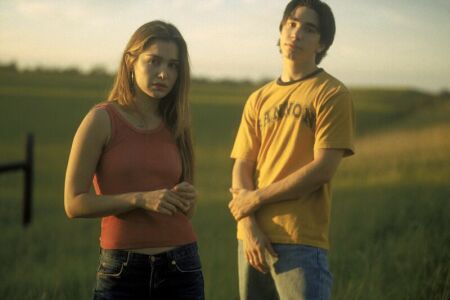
321,48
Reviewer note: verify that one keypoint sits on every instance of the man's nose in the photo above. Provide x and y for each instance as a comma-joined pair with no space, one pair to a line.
297,33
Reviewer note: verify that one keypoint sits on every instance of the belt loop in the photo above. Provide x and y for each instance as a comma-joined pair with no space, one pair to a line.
129,253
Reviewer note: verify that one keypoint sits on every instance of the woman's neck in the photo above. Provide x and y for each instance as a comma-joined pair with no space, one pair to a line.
145,105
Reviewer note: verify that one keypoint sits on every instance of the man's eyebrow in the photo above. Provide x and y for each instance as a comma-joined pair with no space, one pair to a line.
310,24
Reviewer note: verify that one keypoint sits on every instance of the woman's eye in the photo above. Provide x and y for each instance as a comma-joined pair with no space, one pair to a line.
173,66
153,61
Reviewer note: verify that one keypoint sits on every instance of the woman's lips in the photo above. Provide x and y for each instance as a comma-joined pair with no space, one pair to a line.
159,86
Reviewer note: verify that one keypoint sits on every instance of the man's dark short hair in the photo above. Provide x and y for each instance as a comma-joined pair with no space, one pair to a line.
327,27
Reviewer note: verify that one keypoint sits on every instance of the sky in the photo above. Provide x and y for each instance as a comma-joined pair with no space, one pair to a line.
384,43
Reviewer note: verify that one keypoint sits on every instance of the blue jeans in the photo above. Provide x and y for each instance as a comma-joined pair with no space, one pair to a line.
299,272
174,274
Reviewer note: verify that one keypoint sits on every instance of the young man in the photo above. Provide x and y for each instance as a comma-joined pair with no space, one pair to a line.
294,132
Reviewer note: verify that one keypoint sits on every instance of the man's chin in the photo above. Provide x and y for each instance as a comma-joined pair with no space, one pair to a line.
291,56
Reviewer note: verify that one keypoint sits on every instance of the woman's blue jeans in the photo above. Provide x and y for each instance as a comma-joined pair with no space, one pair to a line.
175,274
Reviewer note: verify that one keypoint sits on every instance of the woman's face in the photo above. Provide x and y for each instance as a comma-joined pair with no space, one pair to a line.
156,69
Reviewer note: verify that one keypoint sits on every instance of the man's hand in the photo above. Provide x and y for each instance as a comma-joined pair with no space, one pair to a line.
244,203
255,245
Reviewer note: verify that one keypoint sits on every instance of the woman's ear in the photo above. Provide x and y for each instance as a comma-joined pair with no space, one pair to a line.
129,61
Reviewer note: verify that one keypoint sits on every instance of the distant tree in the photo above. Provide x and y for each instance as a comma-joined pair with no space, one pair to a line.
98,70
200,80
8,67
71,71
445,94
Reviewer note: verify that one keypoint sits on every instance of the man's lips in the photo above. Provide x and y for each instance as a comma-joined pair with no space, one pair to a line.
292,46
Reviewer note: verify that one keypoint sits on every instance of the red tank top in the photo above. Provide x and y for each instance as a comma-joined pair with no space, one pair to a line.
136,160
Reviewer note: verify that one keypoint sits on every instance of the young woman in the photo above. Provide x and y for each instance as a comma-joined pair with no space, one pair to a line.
136,149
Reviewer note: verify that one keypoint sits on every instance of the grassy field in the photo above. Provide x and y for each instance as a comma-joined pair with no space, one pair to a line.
390,220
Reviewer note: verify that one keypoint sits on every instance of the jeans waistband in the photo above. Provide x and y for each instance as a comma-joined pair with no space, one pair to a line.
174,254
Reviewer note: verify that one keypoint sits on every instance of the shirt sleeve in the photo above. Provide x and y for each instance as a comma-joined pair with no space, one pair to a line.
335,123
247,142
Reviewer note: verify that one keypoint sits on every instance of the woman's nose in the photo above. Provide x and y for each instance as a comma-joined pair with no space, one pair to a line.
162,74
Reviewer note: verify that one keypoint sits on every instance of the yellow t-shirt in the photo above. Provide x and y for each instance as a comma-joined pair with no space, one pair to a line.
282,124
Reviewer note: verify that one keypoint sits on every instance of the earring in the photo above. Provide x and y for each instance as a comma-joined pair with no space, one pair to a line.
131,82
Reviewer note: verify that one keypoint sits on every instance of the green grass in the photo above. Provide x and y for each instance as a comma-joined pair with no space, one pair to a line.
390,217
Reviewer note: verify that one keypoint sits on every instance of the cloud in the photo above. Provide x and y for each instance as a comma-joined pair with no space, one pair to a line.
35,9
71,11
198,6
398,18
208,5
63,13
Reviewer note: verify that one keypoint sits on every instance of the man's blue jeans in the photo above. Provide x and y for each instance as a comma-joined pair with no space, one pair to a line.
299,272
175,274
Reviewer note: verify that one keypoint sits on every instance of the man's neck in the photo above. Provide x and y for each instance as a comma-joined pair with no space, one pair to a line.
295,70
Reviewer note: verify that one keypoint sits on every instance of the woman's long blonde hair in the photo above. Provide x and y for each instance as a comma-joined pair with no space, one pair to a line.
174,108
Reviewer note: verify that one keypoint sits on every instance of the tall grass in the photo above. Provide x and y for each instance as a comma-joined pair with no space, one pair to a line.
390,229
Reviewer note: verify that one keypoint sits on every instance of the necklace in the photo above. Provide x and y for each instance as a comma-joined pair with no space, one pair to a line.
139,119
140,122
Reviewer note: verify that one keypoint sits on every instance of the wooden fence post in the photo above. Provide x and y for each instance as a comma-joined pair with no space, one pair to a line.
27,167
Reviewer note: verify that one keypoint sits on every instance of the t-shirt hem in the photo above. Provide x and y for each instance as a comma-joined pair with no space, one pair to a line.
307,242
349,149
246,157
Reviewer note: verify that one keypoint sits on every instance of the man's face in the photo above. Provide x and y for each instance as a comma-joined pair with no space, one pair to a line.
300,37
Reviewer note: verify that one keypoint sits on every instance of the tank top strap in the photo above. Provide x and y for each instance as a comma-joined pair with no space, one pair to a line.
114,121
